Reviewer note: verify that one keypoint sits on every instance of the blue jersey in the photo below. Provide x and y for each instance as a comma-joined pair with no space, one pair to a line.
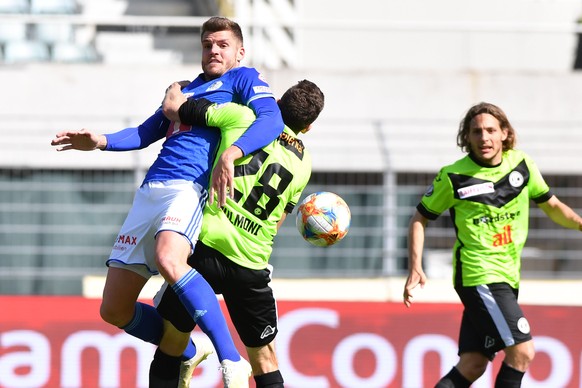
188,151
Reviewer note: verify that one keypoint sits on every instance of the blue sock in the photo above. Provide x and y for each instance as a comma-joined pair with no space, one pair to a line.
199,299
146,324
189,352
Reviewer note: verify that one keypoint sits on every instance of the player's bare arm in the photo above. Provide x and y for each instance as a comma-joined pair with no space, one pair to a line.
82,140
416,274
280,222
561,213
223,175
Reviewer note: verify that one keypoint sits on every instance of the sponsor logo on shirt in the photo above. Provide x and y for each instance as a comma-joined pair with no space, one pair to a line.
503,238
498,218
474,190
261,89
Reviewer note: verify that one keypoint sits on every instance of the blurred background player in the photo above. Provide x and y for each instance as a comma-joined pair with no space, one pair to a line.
236,240
487,193
163,224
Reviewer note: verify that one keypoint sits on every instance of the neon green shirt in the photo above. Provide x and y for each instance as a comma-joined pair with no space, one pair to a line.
490,210
267,183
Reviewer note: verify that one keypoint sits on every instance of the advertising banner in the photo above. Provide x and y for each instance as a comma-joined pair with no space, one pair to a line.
62,342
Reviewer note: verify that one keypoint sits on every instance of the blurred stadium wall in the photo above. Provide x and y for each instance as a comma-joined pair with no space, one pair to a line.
397,76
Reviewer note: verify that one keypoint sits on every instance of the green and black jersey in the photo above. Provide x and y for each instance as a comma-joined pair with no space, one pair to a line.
490,210
267,183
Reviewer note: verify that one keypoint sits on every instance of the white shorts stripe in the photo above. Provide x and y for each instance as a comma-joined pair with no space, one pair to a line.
496,315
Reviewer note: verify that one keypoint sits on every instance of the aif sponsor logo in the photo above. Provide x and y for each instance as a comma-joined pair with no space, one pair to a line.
503,238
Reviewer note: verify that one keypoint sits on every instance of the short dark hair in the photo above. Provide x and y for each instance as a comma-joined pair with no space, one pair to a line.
218,23
493,110
301,104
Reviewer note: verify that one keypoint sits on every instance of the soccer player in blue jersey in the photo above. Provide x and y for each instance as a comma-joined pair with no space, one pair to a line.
233,255
488,193
162,227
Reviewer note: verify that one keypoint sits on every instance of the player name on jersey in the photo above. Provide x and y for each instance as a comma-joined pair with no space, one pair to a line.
242,222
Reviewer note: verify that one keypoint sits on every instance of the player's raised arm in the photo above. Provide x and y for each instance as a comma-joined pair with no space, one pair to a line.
416,274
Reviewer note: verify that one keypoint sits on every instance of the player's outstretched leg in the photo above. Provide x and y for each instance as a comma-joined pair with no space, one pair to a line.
200,301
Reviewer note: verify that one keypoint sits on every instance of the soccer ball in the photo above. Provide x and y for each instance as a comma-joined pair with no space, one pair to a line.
323,218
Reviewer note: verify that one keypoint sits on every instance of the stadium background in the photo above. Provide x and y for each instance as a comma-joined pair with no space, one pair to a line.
398,77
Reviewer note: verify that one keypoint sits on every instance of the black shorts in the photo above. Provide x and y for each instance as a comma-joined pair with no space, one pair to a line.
246,292
492,319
